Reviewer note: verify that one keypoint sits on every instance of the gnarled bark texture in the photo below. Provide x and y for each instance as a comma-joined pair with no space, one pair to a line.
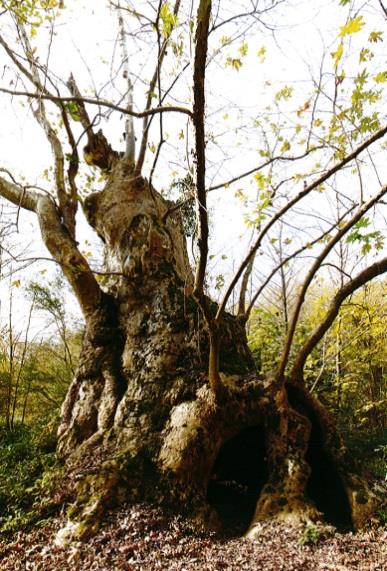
140,421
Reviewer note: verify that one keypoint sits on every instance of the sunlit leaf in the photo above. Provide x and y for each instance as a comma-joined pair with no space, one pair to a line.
338,54
352,26
168,19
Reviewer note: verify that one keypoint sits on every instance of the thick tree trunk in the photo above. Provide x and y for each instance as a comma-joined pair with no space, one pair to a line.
140,421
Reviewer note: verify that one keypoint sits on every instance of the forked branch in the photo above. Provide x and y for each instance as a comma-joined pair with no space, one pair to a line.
315,267
67,200
58,241
287,259
280,213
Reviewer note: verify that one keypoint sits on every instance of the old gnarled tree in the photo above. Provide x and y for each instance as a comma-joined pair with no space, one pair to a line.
167,399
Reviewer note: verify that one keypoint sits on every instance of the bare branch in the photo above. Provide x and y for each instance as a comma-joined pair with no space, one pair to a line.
11,54
201,46
67,202
307,190
64,250
254,12
98,152
81,109
291,257
315,267
240,177
100,103
18,195
203,18
156,76
41,117
383,8
129,127
243,290
262,166
58,241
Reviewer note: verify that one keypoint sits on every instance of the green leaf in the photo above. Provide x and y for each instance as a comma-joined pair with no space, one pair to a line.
73,110
365,55
352,26
363,223
168,18
260,180
225,40
219,282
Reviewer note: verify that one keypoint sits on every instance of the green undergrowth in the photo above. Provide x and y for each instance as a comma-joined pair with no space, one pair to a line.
310,535
29,474
369,450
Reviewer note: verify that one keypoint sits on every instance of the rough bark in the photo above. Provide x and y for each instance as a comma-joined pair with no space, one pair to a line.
140,421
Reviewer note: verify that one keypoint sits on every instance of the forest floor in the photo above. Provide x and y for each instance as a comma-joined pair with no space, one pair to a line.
141,538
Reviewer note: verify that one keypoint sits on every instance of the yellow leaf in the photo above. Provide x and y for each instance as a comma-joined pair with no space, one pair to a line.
285,146
261,54
235,63
381,77
375,37
352,26
338,54
243,49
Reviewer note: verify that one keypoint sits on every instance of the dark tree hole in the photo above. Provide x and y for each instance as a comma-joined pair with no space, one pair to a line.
237,478
325,486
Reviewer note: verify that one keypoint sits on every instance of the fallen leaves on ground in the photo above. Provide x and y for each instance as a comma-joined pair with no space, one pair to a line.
142,538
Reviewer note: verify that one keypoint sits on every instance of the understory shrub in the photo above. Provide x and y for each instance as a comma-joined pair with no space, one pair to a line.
28,469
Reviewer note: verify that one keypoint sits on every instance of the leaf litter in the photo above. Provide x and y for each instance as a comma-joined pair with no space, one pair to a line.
144,538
